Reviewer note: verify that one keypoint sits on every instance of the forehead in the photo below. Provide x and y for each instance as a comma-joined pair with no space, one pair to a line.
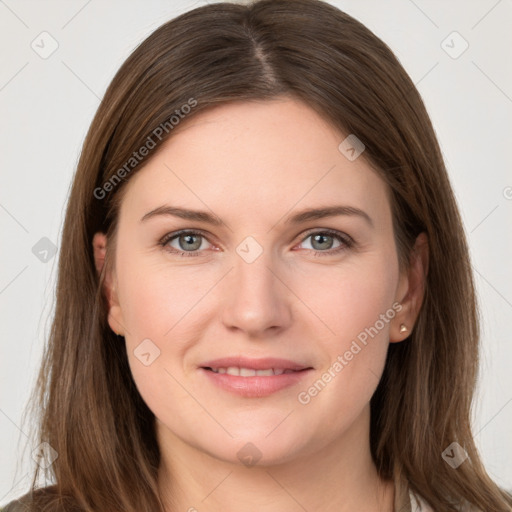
259,157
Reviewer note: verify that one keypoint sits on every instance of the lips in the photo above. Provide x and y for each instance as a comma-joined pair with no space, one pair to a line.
265,363
254,378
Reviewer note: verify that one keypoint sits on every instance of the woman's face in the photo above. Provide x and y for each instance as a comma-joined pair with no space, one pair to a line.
319,291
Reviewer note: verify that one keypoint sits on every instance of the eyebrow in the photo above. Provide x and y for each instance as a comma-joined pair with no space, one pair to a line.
300,217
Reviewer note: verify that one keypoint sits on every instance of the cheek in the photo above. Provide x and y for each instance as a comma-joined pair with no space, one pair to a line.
350,297
164,305
356,304
159,299
155,310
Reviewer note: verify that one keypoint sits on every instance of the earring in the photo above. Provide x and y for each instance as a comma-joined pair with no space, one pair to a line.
403,328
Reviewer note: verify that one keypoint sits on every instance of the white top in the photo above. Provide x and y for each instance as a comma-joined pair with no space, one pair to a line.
418,505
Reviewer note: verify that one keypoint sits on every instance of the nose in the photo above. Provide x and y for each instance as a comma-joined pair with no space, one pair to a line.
258,300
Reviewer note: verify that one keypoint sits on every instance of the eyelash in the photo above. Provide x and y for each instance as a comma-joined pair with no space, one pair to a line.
347,242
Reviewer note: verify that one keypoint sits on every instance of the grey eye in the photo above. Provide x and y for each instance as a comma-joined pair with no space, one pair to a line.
187,242
321,241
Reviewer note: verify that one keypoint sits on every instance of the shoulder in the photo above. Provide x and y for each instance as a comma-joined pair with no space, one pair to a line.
15,506
27,502
21,504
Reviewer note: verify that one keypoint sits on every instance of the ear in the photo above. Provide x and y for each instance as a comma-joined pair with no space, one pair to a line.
115,317
99,245
411,290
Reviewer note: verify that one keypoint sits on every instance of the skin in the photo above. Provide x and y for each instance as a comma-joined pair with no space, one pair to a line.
253,165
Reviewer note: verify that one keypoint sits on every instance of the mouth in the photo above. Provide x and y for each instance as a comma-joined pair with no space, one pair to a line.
254,378
250,367
251,372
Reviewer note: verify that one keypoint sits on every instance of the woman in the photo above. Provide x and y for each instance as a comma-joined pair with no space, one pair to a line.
263,283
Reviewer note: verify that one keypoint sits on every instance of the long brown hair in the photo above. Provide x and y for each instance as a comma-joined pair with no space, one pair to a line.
91,412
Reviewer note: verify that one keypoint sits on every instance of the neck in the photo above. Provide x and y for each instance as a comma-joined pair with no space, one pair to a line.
336,477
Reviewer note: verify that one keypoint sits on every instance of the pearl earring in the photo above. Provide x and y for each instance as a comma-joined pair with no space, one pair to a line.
403,328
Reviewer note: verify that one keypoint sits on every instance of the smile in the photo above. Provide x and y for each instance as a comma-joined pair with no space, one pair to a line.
250,372
251,383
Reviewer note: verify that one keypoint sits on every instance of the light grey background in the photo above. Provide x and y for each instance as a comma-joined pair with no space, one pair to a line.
48,103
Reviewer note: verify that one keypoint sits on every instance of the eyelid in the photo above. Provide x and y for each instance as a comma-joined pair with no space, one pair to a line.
329,231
